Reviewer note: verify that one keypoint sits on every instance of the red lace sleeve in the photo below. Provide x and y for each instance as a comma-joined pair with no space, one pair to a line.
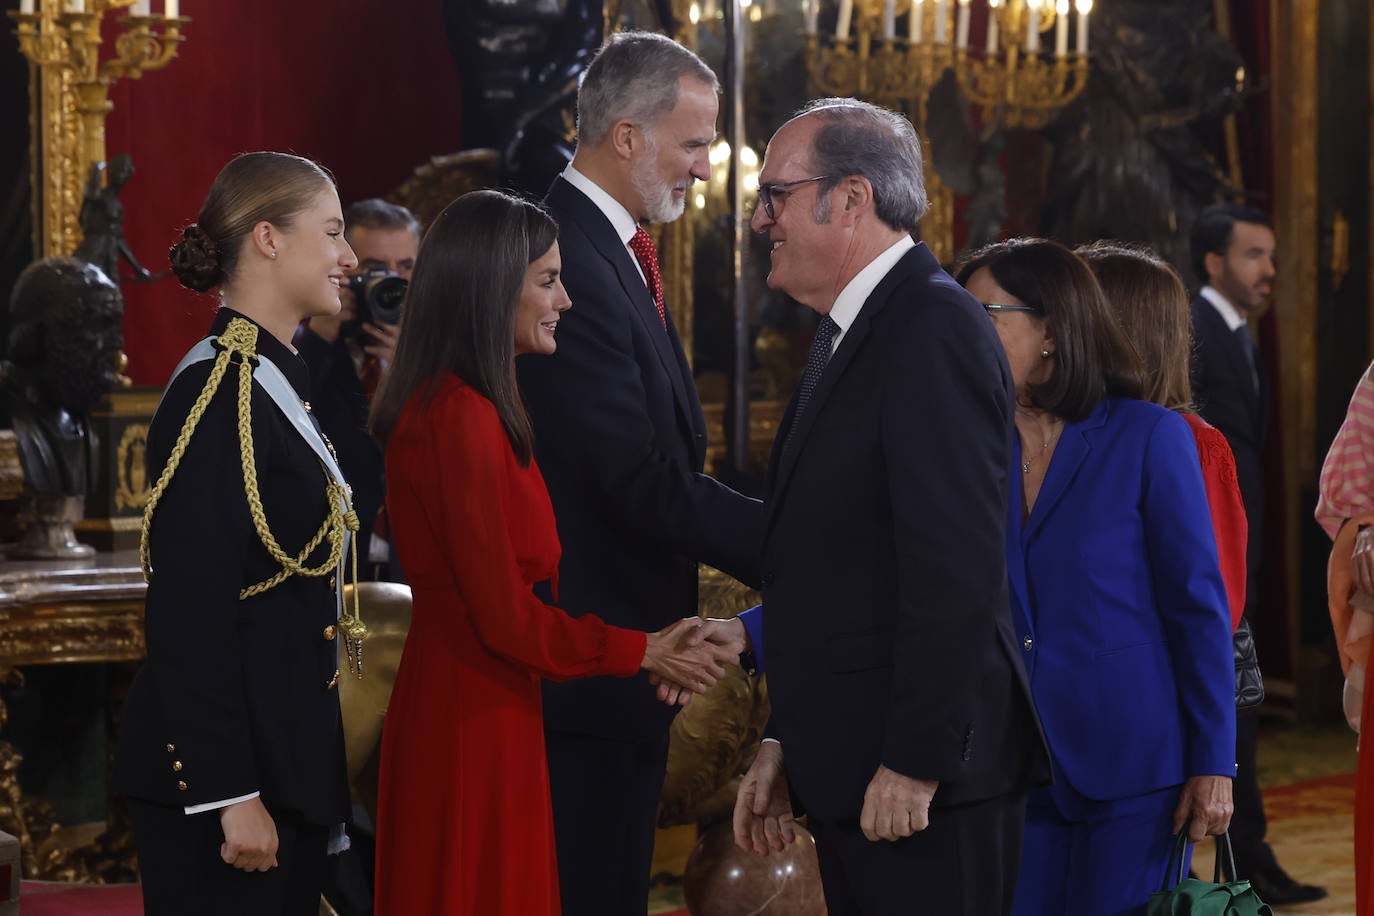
1228,512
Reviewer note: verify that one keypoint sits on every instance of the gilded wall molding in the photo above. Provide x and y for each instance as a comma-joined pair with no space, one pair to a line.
1294,50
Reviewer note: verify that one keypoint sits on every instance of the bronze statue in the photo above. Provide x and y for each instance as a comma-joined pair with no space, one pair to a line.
102,220
1133,157
62,357
520,61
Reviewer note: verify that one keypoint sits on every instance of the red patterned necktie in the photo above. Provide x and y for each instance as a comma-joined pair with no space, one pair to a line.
643,247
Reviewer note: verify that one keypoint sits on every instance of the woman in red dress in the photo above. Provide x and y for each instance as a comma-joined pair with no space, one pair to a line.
1151,303
464,818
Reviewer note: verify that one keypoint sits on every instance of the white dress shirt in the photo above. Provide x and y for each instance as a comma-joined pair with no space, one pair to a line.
621,221
856,292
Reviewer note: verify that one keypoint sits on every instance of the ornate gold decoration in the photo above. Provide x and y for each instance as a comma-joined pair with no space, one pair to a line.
1023,88
70,99
61,613
11,471
1012,80
1295,48
132,490
713,741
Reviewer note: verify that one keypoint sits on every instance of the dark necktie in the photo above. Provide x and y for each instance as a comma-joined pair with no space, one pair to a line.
815,365
647,256
1247,346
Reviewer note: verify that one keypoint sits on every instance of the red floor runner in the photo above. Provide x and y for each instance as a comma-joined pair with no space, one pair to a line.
41,898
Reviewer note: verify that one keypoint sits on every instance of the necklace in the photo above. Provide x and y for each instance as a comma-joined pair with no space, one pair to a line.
1027,461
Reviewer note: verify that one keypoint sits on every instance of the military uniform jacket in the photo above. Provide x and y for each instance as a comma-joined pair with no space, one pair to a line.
236,696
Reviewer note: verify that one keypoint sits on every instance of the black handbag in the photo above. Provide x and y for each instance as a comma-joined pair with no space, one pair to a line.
1249,683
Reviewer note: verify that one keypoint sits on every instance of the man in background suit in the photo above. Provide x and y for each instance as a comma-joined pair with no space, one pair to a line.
901,707
1233,252
621,441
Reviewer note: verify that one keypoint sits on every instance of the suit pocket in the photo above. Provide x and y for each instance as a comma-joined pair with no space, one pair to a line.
860,653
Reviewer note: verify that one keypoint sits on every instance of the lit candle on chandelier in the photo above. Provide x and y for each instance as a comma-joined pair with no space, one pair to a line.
172,10
1061,28
917,20
941,15
961,30
889,19
992,25
1032,26
26,7
813,8
1084,8
842,24
140,8
76,6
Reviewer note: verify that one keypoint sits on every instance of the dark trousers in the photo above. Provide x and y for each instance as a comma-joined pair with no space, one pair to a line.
605,809
182,872
964,864
1248,823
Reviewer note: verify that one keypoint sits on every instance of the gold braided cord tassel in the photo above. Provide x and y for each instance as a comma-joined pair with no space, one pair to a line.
240,337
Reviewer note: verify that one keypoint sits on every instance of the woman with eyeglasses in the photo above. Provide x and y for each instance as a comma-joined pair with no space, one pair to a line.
1116,595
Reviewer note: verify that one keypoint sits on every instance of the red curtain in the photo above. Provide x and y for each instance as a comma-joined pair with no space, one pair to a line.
366,87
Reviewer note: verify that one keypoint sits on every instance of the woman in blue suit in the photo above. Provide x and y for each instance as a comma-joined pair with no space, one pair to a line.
1116,594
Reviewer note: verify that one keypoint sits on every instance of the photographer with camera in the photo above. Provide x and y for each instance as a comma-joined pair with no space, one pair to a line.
349,352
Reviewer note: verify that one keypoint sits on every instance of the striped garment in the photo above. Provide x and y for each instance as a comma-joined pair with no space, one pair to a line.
1347,481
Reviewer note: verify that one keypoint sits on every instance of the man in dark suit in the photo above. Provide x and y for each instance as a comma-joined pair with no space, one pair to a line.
899,701
1233,252
621,441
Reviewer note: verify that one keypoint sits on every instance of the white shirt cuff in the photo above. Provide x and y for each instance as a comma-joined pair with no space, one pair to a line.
211,806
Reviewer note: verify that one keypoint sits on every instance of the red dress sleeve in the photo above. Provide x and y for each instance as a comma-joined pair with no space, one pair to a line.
478,526
1228,512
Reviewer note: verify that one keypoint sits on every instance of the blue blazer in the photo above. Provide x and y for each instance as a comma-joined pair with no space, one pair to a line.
1119,606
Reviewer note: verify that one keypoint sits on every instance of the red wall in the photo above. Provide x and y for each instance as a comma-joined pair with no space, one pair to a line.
364,88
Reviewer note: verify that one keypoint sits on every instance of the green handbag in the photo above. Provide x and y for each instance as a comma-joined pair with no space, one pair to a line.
1194,897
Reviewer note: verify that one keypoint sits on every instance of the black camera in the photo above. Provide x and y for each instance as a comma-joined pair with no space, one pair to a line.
379,295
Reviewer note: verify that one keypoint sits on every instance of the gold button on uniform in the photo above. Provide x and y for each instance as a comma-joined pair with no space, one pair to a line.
333,581
181,785
171,748
176,766
329,632
333,681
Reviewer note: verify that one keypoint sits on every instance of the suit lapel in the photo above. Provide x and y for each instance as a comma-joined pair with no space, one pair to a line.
1069,455
784,460
603,238
1016,554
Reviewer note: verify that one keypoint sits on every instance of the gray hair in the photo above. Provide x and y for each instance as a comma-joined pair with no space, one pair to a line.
857,138
634,76
375,213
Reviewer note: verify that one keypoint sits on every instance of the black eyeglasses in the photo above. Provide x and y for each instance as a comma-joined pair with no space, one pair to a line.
771,193
995,307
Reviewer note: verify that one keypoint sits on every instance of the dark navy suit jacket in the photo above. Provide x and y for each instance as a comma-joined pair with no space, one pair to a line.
620,439
889,637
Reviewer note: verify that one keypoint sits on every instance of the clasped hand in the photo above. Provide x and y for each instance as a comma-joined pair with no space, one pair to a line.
895,806
689,656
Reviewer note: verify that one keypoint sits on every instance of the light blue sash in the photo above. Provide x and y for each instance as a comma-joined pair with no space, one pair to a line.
274,382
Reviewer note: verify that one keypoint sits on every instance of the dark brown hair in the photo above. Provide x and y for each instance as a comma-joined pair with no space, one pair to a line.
1092,357
1151,303
253,188
460,309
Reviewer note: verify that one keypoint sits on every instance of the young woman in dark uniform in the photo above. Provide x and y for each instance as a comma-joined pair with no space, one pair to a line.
231,747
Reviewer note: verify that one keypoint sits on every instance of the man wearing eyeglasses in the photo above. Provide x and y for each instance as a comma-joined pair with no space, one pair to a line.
620,439
902,719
